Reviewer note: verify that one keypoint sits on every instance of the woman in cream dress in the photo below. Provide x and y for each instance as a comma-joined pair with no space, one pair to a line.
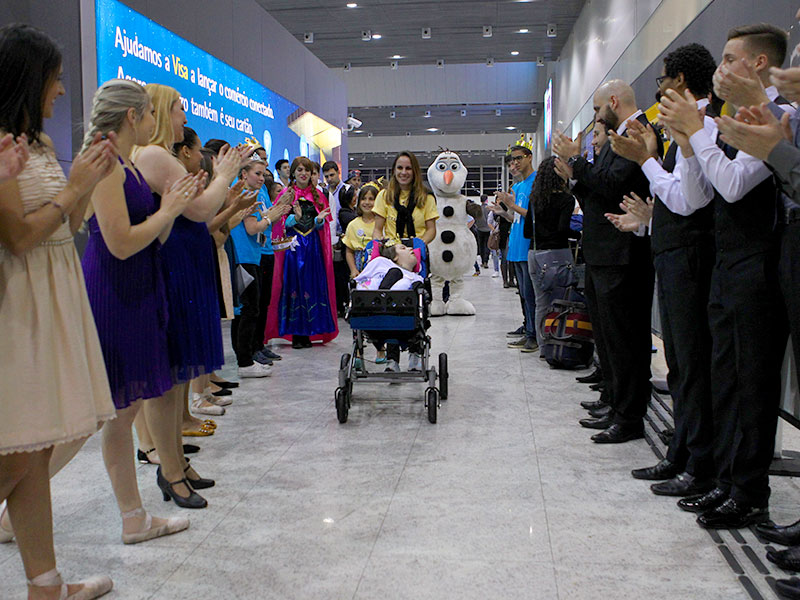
55,389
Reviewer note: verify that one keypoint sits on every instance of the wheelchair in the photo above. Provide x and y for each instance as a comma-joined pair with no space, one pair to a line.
394,317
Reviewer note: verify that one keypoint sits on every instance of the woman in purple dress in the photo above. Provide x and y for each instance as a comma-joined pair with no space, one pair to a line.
126,290
194,337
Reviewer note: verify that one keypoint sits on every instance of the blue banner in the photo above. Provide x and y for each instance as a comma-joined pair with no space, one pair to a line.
220,102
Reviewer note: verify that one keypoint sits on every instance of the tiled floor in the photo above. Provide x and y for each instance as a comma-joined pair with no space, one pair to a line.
505,497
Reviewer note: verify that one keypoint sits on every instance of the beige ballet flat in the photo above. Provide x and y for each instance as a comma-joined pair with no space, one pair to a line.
94,587
148,532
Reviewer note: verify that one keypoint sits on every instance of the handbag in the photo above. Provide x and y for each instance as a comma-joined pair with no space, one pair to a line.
494,240
243,279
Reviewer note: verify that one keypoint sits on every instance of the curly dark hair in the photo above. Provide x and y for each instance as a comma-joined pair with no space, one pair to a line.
546,184
697,65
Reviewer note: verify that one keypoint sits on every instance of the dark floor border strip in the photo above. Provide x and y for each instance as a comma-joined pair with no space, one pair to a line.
737,536
750,588
734,564
750,553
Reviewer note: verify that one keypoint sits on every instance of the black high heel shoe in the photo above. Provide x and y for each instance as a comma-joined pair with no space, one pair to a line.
199,484
144,457
193,500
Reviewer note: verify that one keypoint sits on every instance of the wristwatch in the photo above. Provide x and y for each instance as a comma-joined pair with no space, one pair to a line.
573,159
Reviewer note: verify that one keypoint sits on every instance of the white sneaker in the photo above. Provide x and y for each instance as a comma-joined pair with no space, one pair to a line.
202,407
392,367
414,362
495,274
255,370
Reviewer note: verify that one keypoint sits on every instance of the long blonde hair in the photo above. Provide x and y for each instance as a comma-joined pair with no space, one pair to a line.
163,97
110,106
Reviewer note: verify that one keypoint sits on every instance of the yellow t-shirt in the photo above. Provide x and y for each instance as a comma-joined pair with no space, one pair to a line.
358,234
384,207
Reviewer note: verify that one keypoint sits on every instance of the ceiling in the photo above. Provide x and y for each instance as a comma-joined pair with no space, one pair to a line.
456,37
456,29
479,118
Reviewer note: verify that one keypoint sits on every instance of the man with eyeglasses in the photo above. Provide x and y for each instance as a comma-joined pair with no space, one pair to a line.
521,159
682,240
619,269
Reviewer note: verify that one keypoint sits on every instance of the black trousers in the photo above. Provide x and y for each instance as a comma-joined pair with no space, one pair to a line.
684,279
341,278
266,269
621,299
749,332
483,246
245,324
789,269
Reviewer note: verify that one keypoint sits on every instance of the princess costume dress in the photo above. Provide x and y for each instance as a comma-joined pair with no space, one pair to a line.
303,285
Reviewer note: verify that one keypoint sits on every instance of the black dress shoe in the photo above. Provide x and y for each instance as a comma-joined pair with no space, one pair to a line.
619,434
665,469
788,535
703,502
732,515
199,483
593,404
226,384
190,449
788,559
601,423
682,484
600,412
788,588
221,393
595,376
598,387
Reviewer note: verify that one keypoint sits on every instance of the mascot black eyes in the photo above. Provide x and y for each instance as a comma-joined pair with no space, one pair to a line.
453,251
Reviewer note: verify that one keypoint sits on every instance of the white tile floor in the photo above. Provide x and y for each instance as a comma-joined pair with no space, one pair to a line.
505,497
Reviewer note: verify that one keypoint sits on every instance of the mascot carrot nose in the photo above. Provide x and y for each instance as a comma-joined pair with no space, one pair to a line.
448,177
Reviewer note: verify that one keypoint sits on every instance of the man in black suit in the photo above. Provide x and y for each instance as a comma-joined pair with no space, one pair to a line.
682,239
619,269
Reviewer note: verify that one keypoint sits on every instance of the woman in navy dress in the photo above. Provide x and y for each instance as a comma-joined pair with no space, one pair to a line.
194,338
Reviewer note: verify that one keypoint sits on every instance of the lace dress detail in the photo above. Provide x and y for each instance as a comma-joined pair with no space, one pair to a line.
55,387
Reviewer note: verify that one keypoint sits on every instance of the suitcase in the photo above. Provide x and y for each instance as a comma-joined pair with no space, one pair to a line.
568,340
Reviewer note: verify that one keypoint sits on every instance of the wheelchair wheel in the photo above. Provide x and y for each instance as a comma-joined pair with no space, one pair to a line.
344,367
432,400
443,376
342,405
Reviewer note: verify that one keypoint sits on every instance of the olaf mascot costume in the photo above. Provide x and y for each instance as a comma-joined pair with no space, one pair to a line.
452,253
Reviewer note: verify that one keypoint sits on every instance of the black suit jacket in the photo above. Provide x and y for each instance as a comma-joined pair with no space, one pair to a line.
599,189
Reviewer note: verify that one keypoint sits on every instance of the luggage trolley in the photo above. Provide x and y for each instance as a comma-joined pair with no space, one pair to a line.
399,316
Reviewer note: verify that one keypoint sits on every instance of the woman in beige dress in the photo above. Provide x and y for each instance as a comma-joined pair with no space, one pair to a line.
55,389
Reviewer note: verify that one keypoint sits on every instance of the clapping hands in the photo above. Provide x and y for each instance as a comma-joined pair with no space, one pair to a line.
637,212
13,156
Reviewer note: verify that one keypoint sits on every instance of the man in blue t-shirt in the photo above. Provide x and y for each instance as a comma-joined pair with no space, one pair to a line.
521,161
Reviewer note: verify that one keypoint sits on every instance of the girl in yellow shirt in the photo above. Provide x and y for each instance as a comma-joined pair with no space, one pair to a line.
359,231
405,209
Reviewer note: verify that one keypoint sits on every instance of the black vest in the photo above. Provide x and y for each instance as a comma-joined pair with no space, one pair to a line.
746,227
671,230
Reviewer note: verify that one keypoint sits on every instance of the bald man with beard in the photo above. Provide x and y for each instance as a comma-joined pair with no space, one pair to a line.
619,268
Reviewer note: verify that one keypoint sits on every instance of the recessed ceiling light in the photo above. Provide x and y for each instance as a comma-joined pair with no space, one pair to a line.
522,31
376,36
352,5
397,56
515,53
432,129
510,128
